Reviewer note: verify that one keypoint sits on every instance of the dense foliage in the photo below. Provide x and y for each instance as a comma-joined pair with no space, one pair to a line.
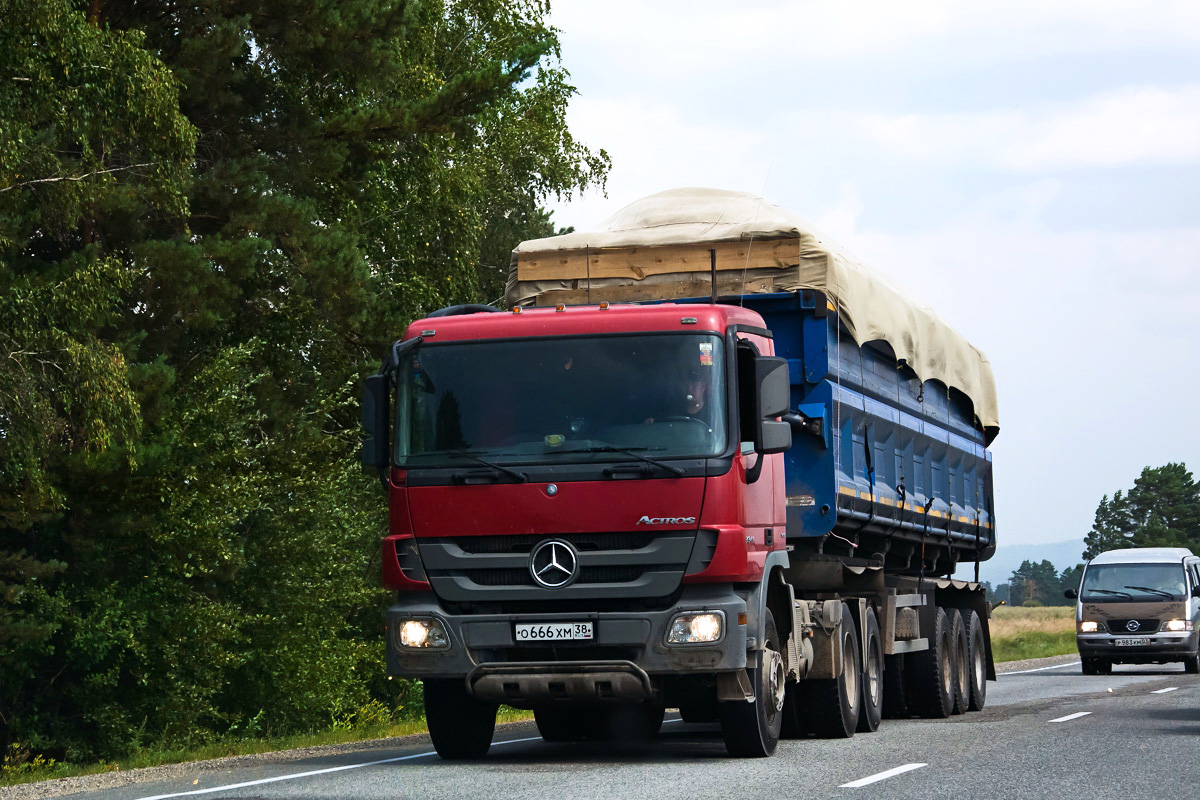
213,217
1161,510
1039,584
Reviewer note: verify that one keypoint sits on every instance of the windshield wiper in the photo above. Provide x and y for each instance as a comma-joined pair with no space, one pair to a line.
519,477
1168,595
1109,591
608,448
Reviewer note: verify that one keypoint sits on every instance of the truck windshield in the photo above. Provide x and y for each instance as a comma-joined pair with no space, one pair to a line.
558,400
1133,581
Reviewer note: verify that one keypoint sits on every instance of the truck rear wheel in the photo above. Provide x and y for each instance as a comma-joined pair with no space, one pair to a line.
895,692
872,676
834,704
459,725
962,664
977,659
931,672
751,730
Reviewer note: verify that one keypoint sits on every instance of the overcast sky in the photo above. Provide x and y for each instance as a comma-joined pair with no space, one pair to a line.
1032,169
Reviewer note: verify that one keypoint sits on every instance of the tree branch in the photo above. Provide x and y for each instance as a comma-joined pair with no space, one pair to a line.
75,178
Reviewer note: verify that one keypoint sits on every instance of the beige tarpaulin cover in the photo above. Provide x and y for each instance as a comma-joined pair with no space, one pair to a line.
658,248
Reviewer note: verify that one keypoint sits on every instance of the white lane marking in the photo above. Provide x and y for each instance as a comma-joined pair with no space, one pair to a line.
1039,669
1070,717
881,776
310,773
1164,691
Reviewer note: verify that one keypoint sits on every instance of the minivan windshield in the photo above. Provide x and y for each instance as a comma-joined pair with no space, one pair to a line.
559,400
1103,582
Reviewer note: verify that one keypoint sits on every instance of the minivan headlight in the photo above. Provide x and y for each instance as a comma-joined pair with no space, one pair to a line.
1178,625
1090,626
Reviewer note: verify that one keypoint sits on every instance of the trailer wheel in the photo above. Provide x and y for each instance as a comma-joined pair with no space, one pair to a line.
459,725
976,658
872,677
834,704
895,692
751,730
932,672
962,663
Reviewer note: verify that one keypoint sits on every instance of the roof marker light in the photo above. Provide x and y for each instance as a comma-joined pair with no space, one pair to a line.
516,309
604,305
688,321
560,307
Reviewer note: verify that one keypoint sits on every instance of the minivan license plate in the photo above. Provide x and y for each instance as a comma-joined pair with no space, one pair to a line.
553,631
1132,642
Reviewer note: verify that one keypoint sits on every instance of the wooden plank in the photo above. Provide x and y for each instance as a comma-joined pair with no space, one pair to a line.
635,263
629,293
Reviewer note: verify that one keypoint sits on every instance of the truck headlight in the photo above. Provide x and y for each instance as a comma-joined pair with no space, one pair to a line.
427,634
696,627
1089,627
1178,625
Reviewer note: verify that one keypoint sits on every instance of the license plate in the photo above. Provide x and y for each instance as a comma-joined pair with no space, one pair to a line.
1131,642
553,631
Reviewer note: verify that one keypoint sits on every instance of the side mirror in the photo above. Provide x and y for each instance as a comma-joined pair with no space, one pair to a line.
774,391
375,420
1071,594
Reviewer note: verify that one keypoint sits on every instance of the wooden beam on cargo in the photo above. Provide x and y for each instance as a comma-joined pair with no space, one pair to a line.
660,291
636,263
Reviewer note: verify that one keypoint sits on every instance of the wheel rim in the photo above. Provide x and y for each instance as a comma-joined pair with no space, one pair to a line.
947,666
776,680
850,669
977,663
872,672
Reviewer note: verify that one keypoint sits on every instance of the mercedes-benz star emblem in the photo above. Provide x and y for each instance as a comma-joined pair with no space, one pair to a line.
1132,625
553,564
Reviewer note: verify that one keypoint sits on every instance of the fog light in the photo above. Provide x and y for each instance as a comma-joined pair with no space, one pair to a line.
696,628
1178,625
423,633
1089,627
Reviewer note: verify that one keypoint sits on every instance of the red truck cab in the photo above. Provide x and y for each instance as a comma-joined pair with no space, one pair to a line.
584,506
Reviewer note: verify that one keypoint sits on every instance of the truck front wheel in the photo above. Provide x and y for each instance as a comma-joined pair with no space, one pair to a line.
459,725
751,730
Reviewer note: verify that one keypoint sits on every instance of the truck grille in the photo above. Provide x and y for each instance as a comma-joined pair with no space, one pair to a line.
1144,626
610,565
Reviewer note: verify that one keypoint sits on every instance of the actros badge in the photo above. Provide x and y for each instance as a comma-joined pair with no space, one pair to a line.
553,564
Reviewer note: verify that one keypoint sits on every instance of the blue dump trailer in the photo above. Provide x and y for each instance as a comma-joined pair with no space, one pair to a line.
894,466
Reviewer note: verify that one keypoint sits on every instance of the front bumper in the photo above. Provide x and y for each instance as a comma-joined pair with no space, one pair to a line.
627,657
1163,646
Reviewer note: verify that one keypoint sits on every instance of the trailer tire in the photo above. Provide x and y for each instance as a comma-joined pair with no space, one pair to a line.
872,676
932,672
976,658
751,730
459,725
895,692
834,704
962,663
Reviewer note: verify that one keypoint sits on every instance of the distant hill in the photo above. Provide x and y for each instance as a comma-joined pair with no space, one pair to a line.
999,568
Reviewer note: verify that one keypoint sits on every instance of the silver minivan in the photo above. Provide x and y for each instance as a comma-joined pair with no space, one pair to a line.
1139,606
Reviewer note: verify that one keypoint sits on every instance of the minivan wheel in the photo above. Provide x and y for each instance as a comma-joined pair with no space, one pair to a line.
1191,664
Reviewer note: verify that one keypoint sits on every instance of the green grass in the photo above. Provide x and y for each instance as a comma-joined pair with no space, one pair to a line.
39,769
1033,644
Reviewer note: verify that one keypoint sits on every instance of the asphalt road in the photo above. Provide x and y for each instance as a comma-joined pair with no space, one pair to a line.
1046,733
